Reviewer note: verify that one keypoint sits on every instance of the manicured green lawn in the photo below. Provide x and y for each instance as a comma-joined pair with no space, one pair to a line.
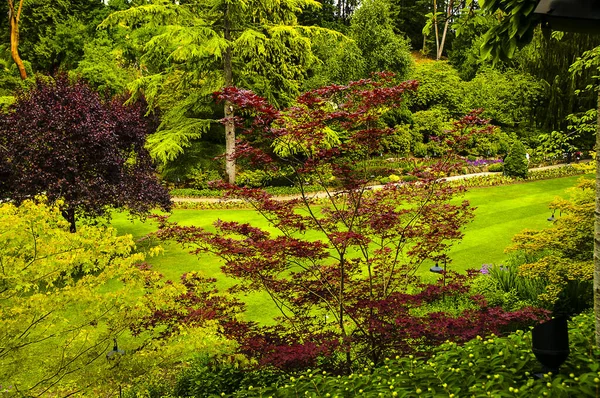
501,213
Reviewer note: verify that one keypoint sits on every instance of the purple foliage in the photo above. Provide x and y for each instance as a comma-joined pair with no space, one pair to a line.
65,141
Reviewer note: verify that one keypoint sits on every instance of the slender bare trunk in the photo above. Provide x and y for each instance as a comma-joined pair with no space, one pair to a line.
597,232
440,49
342,310
229,124
14,18
435,27
69,215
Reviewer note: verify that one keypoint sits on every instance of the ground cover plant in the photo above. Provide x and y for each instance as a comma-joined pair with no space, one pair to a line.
485,366
344,296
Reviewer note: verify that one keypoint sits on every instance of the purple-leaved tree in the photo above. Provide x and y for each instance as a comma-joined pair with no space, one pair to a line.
63,140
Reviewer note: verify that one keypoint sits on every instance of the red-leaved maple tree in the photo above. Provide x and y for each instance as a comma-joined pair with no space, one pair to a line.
340,266
63,140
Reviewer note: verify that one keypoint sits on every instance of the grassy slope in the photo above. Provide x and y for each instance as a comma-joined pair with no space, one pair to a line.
501,212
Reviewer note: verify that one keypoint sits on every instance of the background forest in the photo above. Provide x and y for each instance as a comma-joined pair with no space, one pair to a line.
177,54
110,105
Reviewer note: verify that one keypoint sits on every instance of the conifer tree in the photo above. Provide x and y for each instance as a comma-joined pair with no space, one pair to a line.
198,47
515,164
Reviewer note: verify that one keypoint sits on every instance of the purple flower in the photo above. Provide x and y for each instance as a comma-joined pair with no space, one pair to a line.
483,162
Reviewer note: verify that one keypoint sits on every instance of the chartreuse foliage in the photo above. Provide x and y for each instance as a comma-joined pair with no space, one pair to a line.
485,366
65,296
562,256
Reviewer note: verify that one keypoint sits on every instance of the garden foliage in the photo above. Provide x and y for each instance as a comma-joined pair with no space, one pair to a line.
66,298
515,163
562,256
485,366
340,270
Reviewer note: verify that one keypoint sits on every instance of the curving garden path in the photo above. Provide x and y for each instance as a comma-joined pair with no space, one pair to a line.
324,194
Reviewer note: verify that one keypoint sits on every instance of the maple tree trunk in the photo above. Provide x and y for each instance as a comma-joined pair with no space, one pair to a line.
229,124
597,232
69,215
14,36
342,313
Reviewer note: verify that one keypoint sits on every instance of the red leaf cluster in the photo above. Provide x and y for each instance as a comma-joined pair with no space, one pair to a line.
350,259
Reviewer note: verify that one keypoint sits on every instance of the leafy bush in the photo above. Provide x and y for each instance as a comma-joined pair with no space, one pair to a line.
508,98
439,84
496,167
419,150
503,286
485,366
515,163
210,376
398,143
252,178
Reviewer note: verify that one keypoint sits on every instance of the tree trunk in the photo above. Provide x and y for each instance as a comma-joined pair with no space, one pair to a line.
597,232
341,310
69,215
229,124
440,49
435,27
14,18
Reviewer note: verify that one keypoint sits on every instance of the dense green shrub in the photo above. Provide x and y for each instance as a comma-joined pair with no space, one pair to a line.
419,150
439,84
515,163
508,98
502,285
496,167
252,178
208,377
398,143
485,366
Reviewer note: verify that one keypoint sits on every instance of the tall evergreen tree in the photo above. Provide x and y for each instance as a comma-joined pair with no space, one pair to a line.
193,48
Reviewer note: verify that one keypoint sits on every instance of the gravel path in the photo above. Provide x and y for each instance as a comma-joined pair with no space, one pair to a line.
324,194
